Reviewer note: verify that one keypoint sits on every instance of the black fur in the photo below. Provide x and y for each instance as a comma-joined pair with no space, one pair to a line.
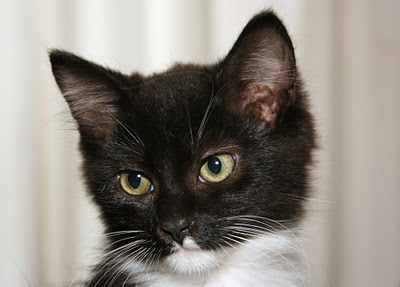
165,125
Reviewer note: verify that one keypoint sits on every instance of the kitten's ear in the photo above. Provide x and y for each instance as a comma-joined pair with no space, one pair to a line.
260,70
90,91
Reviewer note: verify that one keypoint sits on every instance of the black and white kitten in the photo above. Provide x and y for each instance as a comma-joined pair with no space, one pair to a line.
200,172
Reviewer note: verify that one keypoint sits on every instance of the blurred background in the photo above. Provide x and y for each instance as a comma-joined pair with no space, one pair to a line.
348,52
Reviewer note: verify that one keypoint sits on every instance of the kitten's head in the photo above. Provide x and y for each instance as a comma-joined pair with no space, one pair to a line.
196,159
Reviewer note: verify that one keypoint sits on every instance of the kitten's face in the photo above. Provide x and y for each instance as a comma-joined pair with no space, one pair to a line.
189,162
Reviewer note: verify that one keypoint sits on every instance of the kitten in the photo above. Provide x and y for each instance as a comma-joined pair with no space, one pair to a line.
200,172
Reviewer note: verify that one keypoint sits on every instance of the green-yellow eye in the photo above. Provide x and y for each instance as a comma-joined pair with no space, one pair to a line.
135,183
217,168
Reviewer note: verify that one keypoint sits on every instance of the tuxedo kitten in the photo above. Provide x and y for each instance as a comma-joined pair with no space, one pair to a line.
200,172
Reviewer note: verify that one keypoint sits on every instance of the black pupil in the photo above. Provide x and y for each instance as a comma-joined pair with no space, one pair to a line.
214,165
134,179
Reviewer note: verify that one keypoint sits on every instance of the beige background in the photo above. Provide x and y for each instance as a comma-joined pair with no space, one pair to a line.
348,51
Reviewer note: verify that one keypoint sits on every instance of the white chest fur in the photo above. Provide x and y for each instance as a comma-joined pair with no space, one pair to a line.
269,260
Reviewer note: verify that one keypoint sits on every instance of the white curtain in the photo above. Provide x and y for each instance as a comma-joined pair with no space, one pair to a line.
348,52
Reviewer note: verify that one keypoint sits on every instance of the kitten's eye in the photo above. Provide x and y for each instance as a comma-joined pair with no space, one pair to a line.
217,168
135,183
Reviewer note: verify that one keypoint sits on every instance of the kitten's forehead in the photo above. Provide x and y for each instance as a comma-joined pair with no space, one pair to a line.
174,96
179,85
168,108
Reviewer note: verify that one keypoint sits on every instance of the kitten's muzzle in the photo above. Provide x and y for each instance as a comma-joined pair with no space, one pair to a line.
177,230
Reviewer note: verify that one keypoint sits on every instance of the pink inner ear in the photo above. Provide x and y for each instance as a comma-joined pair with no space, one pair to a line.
261,101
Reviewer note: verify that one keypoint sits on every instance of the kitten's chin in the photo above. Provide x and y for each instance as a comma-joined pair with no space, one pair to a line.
190,259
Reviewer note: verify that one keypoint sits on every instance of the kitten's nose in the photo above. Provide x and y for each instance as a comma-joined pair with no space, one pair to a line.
177,230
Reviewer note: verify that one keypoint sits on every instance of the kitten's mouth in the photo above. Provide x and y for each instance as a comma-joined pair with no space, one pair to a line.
186,251
189,258
189,245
